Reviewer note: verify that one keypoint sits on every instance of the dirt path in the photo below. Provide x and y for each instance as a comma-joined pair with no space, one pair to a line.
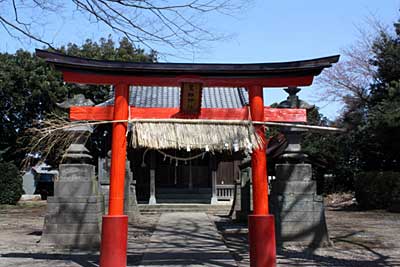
186,239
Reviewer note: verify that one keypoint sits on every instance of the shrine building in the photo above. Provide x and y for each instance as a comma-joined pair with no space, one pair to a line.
191,174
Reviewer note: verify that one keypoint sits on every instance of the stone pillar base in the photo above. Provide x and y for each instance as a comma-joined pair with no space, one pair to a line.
73,218
152,200
72,223
299,211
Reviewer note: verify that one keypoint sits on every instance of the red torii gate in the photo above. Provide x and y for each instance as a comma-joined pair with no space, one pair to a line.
251,76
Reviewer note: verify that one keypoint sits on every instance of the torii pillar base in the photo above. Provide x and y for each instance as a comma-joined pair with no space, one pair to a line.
262,241
114,241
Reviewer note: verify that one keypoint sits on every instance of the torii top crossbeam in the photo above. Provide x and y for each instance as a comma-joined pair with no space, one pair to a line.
89,71
123,74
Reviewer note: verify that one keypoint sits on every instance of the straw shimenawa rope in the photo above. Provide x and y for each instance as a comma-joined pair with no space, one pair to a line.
213,137
209,135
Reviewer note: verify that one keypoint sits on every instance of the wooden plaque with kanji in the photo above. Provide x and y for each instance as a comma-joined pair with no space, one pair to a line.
191,98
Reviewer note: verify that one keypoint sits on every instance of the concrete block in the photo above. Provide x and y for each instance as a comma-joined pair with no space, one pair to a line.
74,207
296,187
298,205
75,189
299,227
313,237
90,241
68,228
292,197
299,211
83,217
298,216
73,218
76,172
293,172
89,199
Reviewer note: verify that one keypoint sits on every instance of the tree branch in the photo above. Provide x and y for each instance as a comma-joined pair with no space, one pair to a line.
147,22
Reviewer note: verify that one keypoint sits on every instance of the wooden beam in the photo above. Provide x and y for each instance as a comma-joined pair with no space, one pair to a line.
91,78
106,113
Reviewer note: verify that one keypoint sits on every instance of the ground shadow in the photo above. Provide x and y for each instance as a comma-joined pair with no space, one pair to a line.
189,239
81,259
289,256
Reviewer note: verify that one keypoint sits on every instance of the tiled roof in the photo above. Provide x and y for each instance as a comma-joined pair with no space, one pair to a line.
163,97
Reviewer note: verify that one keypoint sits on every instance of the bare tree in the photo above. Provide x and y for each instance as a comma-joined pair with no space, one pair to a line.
348,82
177,23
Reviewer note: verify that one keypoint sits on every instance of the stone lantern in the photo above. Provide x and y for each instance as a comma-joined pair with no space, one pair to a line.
299,211
73,218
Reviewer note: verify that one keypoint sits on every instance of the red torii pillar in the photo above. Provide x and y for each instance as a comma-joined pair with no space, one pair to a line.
114,232
261,224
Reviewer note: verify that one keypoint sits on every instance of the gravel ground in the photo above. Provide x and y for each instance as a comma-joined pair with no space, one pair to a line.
359,238
21,229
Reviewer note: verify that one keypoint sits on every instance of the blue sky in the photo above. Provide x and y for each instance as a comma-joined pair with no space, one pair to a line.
266,31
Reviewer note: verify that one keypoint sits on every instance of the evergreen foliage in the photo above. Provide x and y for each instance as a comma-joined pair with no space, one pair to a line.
10,184
374,190
30,89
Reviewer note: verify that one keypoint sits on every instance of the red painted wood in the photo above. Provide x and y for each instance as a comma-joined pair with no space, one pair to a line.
118,151
91,113
258,157
91,78
270,114
261,225
262,243
114,241
285,114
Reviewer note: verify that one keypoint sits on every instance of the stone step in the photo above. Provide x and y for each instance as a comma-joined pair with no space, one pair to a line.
184,200
163,208
182,196
184,206
182,210
204,190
